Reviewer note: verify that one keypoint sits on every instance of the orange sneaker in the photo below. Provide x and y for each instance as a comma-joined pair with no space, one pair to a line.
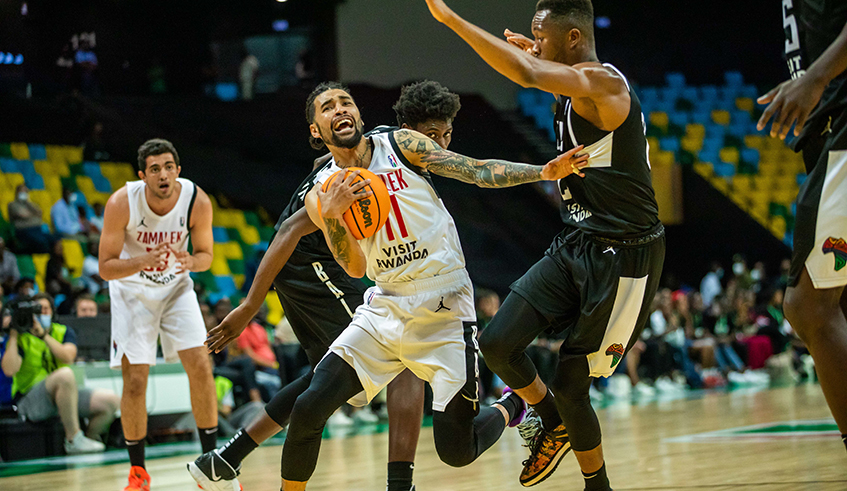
546,451
139,480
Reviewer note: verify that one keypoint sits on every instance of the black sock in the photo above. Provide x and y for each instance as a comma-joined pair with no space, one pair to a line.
237,448
208,438
548,412
136,452
513,405
400,476
597,480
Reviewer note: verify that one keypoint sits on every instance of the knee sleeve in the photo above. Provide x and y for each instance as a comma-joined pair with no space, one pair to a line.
280,406
570,390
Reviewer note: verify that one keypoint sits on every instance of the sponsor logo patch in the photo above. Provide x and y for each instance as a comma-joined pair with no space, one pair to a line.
616,352
838,248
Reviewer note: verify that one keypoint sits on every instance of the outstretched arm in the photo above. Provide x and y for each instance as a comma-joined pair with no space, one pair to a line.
292,229
794,100
425,153
519,66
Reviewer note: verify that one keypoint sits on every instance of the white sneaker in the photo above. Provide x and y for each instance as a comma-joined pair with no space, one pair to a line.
641,389
758,376
83,444
664,384
340,419
365,416
737,378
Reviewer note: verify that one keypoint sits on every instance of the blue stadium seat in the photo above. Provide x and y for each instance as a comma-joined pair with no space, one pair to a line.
709,93
101,184
724,170
226,285
714,130
727,95
733,79
689,94
801,178
709,156
674,79
739,129
526,101
679,118
648,95
669,143
712,144
751,91
219,234
670,94
34,181
91,169
226,91
702,117
37,152
8,166
750,155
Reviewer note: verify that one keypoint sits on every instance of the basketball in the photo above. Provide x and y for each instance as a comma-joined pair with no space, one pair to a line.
367,215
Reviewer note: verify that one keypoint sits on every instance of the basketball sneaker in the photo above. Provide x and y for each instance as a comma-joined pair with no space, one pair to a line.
213,473
530,427
139,480
545,453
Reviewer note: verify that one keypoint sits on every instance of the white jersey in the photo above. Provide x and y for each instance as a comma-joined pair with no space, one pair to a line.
146,230
419,240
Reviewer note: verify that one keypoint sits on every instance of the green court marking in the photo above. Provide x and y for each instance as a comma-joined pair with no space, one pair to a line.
781,430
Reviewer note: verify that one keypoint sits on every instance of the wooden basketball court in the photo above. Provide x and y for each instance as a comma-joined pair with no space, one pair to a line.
777,439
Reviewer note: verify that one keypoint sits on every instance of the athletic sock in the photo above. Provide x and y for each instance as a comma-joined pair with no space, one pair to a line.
512,403
400,476
208,438
546,409
597,481
844,440
237,448
136,452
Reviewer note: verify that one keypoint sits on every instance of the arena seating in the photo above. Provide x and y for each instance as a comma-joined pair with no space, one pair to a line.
45,169
713,129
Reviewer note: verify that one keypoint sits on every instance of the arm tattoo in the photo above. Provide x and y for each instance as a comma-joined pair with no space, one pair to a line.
338,240
483,173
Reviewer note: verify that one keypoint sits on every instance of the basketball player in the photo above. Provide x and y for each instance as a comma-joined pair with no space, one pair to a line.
319,299
597,280
816,100
420,315
144,249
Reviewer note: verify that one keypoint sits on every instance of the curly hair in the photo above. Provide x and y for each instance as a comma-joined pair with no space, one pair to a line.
425,101
317,143
580,12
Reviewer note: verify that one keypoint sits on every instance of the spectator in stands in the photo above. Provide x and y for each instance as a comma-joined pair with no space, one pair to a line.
742,272
86,63
85,306
91,270
239,369
254,344
771,320
25,287
45,386
9,272
65,214
96,219
26,218
57,277
710,287
247,72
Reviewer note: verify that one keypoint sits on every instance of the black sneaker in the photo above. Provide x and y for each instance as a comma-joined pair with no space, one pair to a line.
213,473
545,453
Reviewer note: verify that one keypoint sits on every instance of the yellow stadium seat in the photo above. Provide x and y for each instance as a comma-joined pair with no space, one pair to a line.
704,169
730,155
85,185
773,143
73,256
721,117
14,179
40,262
778,226
44,167
692,144
785,182
659,119
45,201
764,183
784,196
659,159
220,266
761,215
742,183
233,251
6,197
19,151
239,280
745,104
720,184
56,154
754,141
275,311
73,155
695,130
249,235
769,169
740,198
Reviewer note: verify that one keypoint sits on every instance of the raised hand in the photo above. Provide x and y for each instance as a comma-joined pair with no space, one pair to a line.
570,162
519,40
341,193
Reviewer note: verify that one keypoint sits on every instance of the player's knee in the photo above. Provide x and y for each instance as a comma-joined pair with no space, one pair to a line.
135,385
308,416
454,455
495,349
808,312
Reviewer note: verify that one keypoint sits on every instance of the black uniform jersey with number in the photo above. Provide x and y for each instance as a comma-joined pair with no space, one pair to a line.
811,26
615,199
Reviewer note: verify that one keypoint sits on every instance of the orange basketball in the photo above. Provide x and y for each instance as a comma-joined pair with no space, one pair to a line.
366,215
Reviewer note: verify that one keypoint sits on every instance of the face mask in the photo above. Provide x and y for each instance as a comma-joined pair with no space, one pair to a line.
45,320
23,196
738,268
72,199
756,275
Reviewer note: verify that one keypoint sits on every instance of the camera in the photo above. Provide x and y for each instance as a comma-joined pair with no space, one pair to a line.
21,311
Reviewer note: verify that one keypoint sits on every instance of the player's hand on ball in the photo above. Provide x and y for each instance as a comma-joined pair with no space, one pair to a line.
229,329
157,257
341,193
790,101
184,260
520,41
570,162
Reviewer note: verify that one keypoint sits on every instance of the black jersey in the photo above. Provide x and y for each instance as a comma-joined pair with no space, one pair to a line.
615,199
811,26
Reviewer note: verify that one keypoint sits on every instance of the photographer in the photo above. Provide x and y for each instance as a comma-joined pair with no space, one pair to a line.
44,386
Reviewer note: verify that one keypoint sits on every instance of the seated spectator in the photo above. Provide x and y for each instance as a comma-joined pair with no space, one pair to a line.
91,270
66,215
45,386
710,286
25,287
9,272
96,219
30,230
57,277
85,306
255,345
